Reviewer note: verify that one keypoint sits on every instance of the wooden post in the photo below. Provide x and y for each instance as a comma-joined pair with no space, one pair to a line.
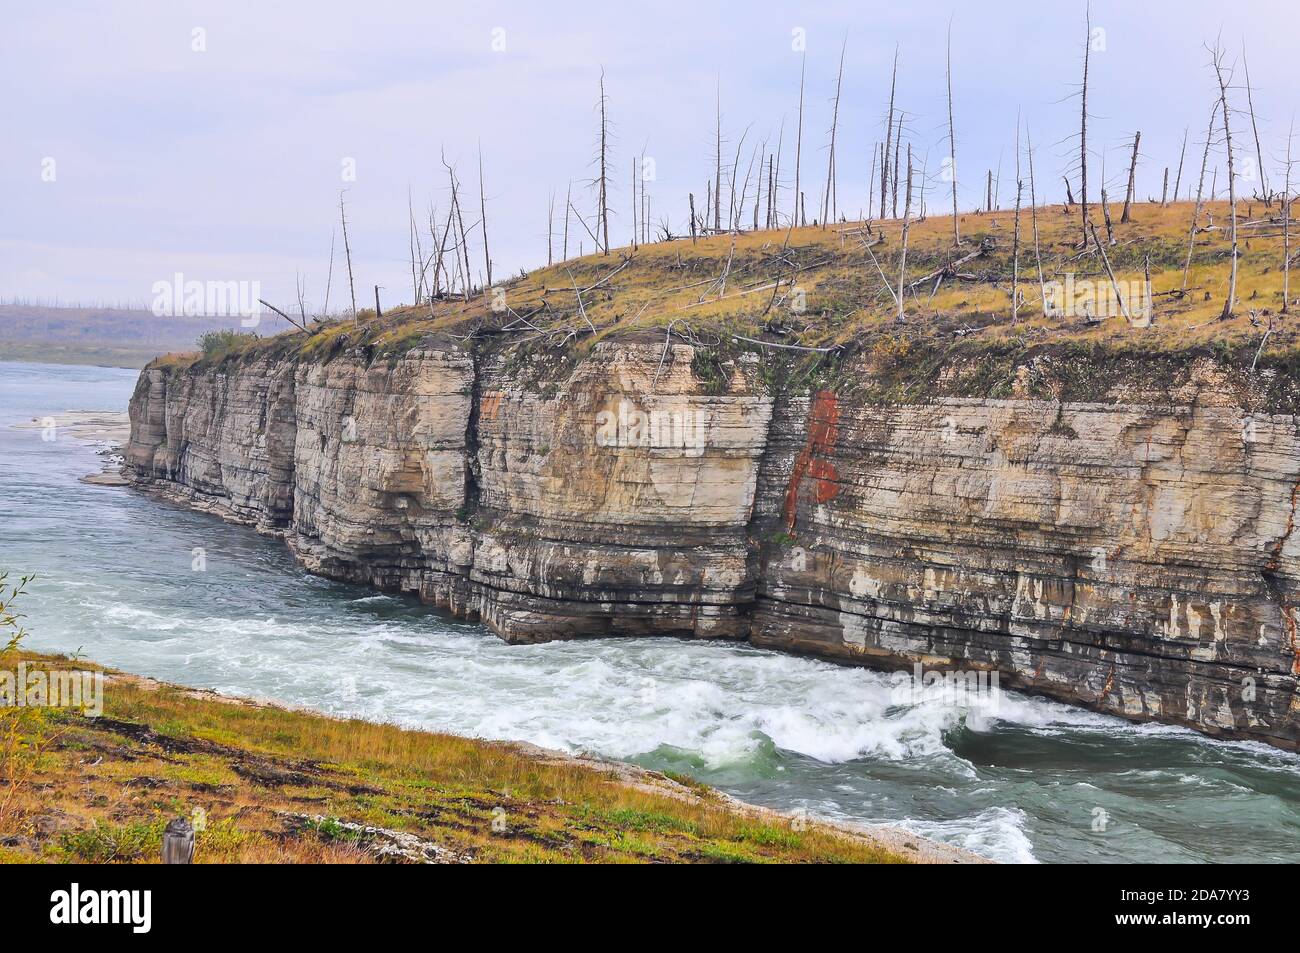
178,842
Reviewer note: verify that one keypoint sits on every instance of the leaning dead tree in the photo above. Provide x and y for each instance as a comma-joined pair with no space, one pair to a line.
1216,55
1259,152
1200,194
1182,154
347,249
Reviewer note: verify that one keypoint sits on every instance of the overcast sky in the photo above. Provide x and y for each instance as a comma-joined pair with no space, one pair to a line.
225,162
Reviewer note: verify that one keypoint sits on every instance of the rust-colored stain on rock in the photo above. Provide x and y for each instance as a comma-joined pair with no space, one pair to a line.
490,405
823,420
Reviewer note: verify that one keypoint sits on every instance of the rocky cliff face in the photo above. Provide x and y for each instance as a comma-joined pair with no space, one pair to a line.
1136,555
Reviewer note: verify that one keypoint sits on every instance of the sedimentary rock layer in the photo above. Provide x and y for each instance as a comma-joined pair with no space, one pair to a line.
1134,556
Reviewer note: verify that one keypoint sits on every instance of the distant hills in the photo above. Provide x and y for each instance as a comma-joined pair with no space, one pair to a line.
118,337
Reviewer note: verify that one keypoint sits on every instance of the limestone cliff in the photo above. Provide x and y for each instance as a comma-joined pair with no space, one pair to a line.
1133,554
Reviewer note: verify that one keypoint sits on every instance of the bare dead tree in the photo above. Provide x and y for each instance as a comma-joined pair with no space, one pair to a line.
1164,189
301,287
413,239
1015,237
1132,173
550,231
1216,55
1033,212
1105,259
889,133
604,151
634,211
776,177
347,249
1200,191
1182,154
717,166
828,207
568,204
1286,224
733,217
799,215
952,146
902,271
459,218
329,279
1259,152
482,204
898,136
1083,128
907,201
691,197
871,183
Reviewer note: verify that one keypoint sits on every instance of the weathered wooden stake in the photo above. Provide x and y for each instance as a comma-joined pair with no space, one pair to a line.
178,842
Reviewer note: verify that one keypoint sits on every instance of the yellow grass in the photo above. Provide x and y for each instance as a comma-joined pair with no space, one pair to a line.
102,790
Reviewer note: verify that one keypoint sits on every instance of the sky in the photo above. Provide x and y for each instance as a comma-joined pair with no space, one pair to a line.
149,138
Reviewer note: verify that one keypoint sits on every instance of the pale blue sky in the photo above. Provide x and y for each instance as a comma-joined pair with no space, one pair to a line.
226,164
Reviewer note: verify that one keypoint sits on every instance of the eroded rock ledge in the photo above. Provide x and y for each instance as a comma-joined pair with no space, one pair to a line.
1131,555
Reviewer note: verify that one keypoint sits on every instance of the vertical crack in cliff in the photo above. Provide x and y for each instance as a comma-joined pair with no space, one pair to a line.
470,505
1274,586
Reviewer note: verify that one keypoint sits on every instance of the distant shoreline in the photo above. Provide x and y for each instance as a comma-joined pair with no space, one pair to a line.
86,356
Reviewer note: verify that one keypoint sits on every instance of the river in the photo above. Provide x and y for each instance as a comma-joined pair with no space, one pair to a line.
1014,778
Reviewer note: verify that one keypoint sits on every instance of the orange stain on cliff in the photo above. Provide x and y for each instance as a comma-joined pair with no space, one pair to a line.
823,420
490,405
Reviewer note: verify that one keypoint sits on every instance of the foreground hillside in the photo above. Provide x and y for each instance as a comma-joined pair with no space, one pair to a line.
273,785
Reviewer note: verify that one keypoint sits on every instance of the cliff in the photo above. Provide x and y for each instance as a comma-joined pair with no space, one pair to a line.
1103,518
